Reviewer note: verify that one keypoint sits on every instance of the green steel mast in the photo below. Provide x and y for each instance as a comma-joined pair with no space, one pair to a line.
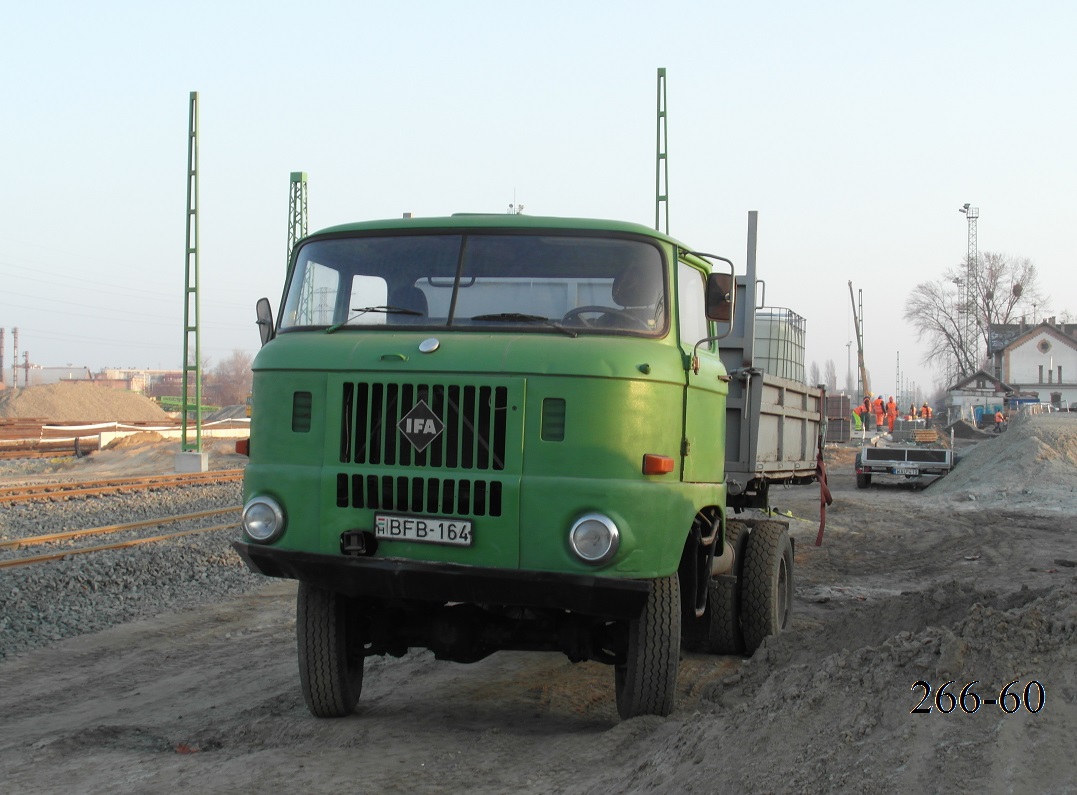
297,229
297,211
661,203
192,352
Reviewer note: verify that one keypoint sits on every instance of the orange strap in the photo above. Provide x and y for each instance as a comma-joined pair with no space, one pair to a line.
825,497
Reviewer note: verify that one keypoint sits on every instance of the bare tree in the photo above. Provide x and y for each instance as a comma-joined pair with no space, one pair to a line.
813,374
1002,289
830,376
232,379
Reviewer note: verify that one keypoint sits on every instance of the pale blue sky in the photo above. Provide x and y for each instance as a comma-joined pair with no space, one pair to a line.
856,130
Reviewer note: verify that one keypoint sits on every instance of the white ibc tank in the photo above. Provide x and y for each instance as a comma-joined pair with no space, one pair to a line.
779,343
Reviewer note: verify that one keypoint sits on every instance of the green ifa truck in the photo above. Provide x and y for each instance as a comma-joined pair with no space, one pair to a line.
489,432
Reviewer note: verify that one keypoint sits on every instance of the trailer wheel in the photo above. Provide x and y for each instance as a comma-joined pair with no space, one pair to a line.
330,652
723,633
862,480
646,683
767,589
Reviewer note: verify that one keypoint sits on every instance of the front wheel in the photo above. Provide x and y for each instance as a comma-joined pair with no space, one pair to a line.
767,589
646,683
330,651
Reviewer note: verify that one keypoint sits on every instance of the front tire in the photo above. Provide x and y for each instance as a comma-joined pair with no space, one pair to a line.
646,683
768,583
330,652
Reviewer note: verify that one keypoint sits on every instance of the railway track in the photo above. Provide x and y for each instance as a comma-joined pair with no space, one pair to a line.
128,528
46,451
86,488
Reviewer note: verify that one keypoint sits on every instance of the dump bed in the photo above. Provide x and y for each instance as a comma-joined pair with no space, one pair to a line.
772,422
772,427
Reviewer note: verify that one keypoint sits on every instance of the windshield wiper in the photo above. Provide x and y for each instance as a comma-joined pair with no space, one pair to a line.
360,311
519,317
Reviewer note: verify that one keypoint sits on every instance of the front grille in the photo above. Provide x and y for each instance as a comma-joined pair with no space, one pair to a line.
460,497
473,437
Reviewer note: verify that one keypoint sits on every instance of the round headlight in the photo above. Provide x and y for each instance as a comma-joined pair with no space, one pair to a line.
263,519
594,538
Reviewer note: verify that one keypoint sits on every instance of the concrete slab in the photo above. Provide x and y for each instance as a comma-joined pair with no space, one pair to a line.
191,461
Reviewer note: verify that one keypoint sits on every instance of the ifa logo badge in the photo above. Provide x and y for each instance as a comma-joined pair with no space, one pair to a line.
420,426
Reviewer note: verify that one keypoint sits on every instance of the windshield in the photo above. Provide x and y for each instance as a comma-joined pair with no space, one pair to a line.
496,282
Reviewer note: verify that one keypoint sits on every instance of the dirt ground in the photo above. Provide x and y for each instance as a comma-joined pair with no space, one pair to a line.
973,579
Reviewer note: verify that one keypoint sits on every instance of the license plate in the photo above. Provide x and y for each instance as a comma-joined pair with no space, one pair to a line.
906,471
424,529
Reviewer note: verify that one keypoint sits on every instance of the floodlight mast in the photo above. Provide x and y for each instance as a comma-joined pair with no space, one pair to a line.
967,297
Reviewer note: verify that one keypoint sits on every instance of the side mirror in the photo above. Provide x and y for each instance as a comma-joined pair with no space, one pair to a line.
265,319
720,297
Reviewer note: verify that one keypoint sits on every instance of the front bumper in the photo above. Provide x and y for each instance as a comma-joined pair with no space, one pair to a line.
395,578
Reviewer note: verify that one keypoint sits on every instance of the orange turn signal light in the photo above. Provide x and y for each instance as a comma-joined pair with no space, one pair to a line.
657,464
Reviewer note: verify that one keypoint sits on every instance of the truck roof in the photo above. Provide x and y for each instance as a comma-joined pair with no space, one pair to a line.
463,221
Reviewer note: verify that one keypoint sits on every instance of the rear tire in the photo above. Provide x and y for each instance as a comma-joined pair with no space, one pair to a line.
646,683
330,652
767,589
862,480
723,633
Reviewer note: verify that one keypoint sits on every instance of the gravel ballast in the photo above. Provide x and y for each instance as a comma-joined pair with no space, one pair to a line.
47,602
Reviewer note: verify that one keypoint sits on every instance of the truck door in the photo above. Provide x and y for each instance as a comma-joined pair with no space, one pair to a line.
705,393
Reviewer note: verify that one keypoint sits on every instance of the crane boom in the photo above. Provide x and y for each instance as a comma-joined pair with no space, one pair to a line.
859,345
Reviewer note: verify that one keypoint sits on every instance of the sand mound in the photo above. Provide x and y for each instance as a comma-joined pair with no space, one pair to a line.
135,439
79,401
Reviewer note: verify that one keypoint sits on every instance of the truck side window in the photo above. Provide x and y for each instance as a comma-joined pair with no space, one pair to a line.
691,304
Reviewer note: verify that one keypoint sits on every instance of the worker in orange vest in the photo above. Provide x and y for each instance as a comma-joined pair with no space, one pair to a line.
912,412
891,414
925,413
879,410
863,413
